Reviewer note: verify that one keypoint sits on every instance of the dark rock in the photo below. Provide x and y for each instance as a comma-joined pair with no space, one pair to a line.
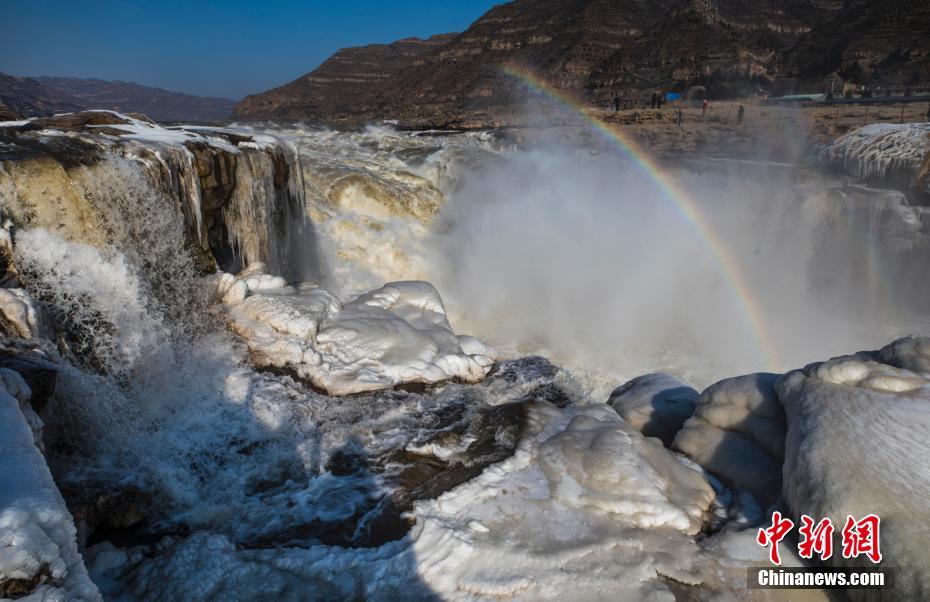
522,370
69,152
19,588
98,507
492,433
8,114
75,122
38,372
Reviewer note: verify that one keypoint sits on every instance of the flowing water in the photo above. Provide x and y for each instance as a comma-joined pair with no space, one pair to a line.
565,253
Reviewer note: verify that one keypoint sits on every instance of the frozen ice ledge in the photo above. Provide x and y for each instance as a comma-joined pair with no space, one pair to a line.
240,191
894,154
396,335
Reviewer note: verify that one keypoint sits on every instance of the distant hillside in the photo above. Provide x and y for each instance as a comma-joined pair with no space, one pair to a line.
598,48
48,95
30,98
160,105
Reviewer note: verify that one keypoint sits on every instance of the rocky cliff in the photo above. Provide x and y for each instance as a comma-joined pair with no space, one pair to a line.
349,83
40,96
598,48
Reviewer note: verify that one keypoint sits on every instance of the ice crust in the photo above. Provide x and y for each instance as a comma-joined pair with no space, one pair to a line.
395,335
884,150
857,444
657,405
738,432
37,534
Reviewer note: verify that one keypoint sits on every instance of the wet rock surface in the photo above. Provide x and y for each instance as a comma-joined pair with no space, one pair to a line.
463,441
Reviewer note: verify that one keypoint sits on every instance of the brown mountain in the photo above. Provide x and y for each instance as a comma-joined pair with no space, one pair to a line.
26,96
598,48
127,97
41,96
349,83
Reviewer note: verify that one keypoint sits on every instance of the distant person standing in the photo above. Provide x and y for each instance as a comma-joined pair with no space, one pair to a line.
704,109
654,100
616,103
739,114
678,117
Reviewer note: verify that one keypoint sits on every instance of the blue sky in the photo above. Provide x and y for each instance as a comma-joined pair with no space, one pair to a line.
213,48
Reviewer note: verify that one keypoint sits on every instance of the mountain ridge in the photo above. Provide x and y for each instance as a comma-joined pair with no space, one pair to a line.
596,49
46,95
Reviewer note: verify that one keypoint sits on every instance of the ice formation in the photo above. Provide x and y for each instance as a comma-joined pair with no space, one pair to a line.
898,153
374,197
857,445
396,335
738,432
656,405
586,505
262,486
38,547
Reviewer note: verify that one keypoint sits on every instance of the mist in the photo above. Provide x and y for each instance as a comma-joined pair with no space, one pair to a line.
583,258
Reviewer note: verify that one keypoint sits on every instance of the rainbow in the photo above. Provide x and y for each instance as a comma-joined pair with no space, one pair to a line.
682,201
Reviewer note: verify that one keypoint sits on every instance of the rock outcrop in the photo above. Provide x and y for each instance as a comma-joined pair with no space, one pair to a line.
7,114
240,191
346,85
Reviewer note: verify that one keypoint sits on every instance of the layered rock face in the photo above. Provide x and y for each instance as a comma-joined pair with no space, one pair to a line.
595,49
348,84
240,193
883,44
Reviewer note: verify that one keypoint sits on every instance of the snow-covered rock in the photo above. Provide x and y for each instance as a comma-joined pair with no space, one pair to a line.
656,405
857,444
898,153
38,546
395,335
738,432
19,313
